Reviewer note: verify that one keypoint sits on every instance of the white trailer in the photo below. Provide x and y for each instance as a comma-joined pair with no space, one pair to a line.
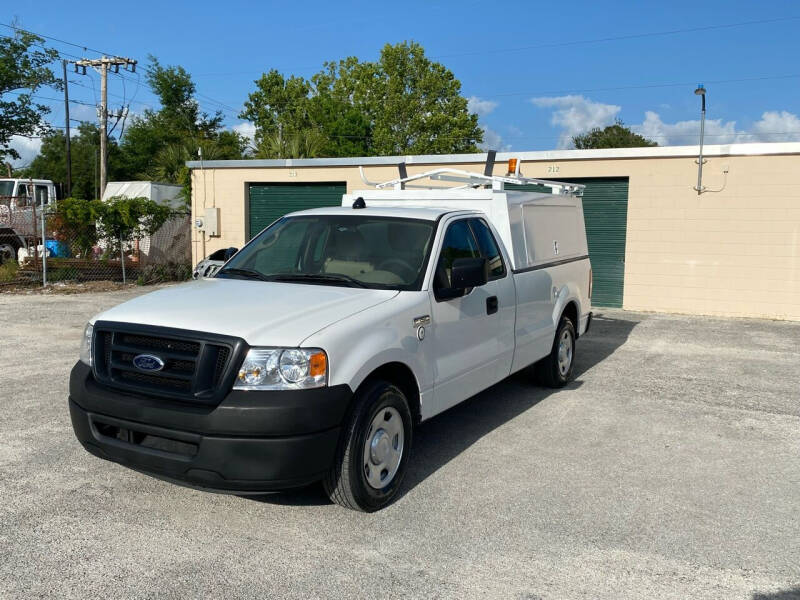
171,243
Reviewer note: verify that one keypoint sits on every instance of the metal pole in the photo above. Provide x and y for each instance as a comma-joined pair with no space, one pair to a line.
66,123
700,158
44,247
122,258
103,126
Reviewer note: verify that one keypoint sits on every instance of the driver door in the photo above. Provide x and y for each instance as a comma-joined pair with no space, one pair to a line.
473,335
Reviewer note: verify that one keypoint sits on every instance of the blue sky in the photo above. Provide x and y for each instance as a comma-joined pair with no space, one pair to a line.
531,69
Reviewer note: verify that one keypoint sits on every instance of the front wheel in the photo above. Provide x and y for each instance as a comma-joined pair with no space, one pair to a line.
555,370
7,252
373,452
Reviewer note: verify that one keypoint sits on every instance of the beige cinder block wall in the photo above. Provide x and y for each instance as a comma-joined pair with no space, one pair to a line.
733,252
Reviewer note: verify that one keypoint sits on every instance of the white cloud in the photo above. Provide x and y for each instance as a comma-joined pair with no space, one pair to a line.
773,126
480,107
81,112
576,114
683,133
493,141
28,148
777,126
248,130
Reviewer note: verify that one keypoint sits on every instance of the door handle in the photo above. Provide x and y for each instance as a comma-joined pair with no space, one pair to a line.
491,305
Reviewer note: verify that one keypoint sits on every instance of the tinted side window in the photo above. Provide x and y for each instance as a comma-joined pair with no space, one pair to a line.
458,243
488,248
278,252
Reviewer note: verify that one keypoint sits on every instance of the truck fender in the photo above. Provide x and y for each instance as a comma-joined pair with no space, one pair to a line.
566,294
361,344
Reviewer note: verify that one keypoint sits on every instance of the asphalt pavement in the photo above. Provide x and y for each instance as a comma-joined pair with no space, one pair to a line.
670,468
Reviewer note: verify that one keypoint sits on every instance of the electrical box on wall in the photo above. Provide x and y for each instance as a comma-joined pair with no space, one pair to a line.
210,222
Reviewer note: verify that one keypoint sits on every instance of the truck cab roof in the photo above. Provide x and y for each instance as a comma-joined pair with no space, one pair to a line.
398,212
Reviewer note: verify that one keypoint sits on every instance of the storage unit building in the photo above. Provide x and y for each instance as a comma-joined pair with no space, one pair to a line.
654,242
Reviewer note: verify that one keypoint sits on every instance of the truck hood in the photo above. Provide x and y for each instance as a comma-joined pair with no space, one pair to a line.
262,313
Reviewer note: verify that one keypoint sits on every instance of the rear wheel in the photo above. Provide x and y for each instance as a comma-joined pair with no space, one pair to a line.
7,252
373,452
555,370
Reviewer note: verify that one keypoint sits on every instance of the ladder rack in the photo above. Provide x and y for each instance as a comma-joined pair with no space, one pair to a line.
470,179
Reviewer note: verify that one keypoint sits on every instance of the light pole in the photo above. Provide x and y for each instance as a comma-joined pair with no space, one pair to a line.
701,91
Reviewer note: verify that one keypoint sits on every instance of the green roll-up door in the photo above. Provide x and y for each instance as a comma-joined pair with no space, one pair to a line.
605,210
270,201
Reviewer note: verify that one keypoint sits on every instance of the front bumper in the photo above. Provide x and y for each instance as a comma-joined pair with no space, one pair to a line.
251,442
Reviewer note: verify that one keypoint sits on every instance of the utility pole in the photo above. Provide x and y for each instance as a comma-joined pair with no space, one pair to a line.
103,64
66,122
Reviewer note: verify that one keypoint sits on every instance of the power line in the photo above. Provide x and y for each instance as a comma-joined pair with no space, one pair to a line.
38,97
55,39
73,57
639,87
486,51
616,38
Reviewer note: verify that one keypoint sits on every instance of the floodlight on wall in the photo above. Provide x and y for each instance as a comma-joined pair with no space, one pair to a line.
701,91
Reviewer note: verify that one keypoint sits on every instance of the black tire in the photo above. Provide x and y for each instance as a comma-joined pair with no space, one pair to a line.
8,252
549,371
347,482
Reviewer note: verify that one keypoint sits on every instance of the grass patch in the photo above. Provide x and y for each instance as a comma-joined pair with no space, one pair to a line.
8,271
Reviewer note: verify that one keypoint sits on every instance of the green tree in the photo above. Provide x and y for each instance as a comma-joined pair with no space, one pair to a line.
157,141
613,136
50,163
402,103
23,70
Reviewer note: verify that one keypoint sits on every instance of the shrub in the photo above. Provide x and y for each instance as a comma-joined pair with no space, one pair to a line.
8,271
74,223
151,274
63,274
129,219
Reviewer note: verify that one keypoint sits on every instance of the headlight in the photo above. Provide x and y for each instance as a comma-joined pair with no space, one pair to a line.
86,345
283,369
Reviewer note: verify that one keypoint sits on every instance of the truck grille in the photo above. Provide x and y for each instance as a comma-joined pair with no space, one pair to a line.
190,366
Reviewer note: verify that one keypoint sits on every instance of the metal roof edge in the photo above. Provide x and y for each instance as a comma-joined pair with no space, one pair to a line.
150,182
751,149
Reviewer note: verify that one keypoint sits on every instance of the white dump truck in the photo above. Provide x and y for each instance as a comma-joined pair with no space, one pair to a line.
317,348
21,202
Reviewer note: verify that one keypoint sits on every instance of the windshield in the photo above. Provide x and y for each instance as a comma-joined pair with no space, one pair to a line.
349,250
6,188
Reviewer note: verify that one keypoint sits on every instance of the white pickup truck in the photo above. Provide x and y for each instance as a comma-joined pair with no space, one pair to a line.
319,346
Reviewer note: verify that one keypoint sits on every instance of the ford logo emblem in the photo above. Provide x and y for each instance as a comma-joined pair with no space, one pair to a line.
148,362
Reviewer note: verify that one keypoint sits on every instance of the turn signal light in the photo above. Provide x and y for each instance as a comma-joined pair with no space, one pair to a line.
317,364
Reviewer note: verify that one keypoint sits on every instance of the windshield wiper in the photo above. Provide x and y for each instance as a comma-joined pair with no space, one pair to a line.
320,277
246,273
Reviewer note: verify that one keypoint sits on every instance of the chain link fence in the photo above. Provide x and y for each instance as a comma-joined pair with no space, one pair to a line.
29,259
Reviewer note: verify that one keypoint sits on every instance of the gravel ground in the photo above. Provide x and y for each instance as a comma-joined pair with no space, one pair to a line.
670,468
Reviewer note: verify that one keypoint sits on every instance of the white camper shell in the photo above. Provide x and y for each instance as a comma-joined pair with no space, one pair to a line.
536,227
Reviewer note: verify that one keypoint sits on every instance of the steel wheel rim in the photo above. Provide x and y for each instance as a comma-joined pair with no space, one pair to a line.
565,352
383,448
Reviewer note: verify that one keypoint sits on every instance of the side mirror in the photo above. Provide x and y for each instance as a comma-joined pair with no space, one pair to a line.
230,252
469,273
